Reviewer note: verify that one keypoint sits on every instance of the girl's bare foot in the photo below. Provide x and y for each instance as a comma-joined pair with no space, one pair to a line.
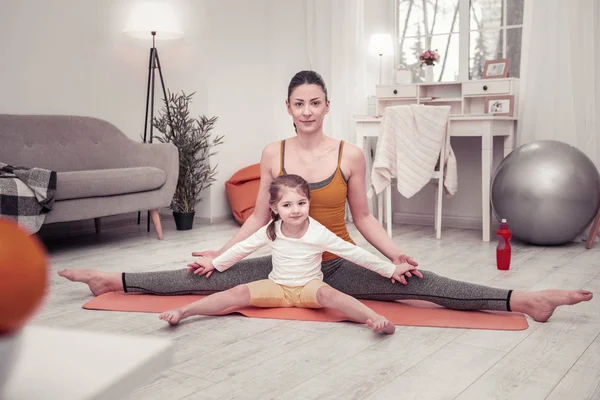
540,305
381,324
172,316
98,282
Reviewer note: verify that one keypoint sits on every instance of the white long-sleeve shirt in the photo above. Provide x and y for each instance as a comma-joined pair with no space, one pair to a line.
298,261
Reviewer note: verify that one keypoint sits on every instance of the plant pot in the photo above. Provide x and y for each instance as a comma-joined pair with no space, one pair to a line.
184,221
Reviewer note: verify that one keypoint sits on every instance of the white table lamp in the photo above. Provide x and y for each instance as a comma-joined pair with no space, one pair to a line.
381,44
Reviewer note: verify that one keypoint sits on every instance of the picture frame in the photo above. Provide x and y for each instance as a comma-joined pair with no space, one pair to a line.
496,68
500,106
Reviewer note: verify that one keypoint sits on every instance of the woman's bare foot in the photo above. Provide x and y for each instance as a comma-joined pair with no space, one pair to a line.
540,305
381,324
98,282
172,316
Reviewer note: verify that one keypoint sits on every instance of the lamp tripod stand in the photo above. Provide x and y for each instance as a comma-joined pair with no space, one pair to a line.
153,65
380,66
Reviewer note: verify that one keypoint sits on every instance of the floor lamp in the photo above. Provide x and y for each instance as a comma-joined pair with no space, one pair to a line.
381,45
158,20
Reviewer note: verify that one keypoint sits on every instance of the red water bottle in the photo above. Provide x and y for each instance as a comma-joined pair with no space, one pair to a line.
503,251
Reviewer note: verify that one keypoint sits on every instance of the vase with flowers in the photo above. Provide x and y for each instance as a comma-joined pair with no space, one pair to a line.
427,59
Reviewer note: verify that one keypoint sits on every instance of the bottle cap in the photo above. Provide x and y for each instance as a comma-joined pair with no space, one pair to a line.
503,220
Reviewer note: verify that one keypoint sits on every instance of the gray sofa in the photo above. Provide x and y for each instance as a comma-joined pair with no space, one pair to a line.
100,171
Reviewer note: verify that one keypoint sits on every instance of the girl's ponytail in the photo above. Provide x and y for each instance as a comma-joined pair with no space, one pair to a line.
271,227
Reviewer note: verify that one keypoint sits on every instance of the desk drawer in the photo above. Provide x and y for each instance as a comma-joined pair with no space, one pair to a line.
399,91
485,87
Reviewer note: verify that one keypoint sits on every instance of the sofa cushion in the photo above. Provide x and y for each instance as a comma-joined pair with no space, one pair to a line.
107,182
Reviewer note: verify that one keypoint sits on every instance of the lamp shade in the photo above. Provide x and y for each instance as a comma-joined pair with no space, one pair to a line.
153,16
381,44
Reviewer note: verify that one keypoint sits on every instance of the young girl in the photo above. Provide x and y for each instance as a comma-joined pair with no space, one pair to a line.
297,242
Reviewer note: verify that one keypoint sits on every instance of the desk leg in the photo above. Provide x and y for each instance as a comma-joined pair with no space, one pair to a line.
487,158
509,141
384,201
363,141
380,206
388,209
349,214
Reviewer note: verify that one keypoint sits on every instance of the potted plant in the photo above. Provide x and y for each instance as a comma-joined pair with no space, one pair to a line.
194,139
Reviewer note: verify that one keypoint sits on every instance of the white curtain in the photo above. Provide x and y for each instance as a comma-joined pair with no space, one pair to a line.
560,74
336,49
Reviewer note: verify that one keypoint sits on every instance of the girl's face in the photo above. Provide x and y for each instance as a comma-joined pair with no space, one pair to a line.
292,207
308,107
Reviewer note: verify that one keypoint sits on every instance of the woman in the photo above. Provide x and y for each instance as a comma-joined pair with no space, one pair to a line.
337,172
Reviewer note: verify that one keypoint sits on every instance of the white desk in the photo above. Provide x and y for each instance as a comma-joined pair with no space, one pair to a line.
81,365
484,126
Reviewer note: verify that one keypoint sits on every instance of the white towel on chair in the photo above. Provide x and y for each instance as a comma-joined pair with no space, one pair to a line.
409,147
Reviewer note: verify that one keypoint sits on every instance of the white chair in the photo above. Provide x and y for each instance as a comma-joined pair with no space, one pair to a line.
438,175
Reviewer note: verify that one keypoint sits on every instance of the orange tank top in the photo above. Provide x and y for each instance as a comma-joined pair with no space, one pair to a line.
328,200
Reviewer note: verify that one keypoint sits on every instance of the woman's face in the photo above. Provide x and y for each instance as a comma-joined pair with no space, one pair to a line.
308,107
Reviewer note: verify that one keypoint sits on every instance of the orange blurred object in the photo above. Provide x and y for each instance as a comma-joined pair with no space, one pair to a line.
23,275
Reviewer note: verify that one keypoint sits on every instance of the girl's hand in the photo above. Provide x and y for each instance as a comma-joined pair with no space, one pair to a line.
201,266
403,271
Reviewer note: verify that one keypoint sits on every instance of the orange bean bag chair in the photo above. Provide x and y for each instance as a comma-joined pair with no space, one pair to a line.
242,189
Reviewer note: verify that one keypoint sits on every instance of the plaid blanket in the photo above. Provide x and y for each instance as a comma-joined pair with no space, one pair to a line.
26,195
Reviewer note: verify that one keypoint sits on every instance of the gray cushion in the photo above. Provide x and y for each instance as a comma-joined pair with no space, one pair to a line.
107,182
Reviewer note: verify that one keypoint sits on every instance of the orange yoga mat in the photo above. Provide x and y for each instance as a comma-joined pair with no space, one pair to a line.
407,313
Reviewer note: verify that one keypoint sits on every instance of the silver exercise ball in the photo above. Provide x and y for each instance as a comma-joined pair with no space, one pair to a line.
548,191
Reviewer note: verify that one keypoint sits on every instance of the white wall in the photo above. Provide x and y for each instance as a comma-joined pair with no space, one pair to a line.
69,57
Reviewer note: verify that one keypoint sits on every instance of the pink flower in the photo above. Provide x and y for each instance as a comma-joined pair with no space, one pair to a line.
429,57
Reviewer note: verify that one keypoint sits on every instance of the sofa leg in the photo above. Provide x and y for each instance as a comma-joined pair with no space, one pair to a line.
97,223
156,221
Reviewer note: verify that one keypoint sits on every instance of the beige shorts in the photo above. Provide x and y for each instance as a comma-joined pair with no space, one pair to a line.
266,293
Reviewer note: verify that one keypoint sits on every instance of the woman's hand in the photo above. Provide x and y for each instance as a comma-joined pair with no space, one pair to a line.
201,266
404,259
403,271
206,253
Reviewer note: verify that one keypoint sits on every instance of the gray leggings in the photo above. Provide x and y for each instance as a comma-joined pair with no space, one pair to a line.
339,273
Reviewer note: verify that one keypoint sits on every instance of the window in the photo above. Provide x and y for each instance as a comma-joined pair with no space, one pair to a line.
491,30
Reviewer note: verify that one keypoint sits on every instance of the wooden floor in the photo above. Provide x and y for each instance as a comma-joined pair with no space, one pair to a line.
236,357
